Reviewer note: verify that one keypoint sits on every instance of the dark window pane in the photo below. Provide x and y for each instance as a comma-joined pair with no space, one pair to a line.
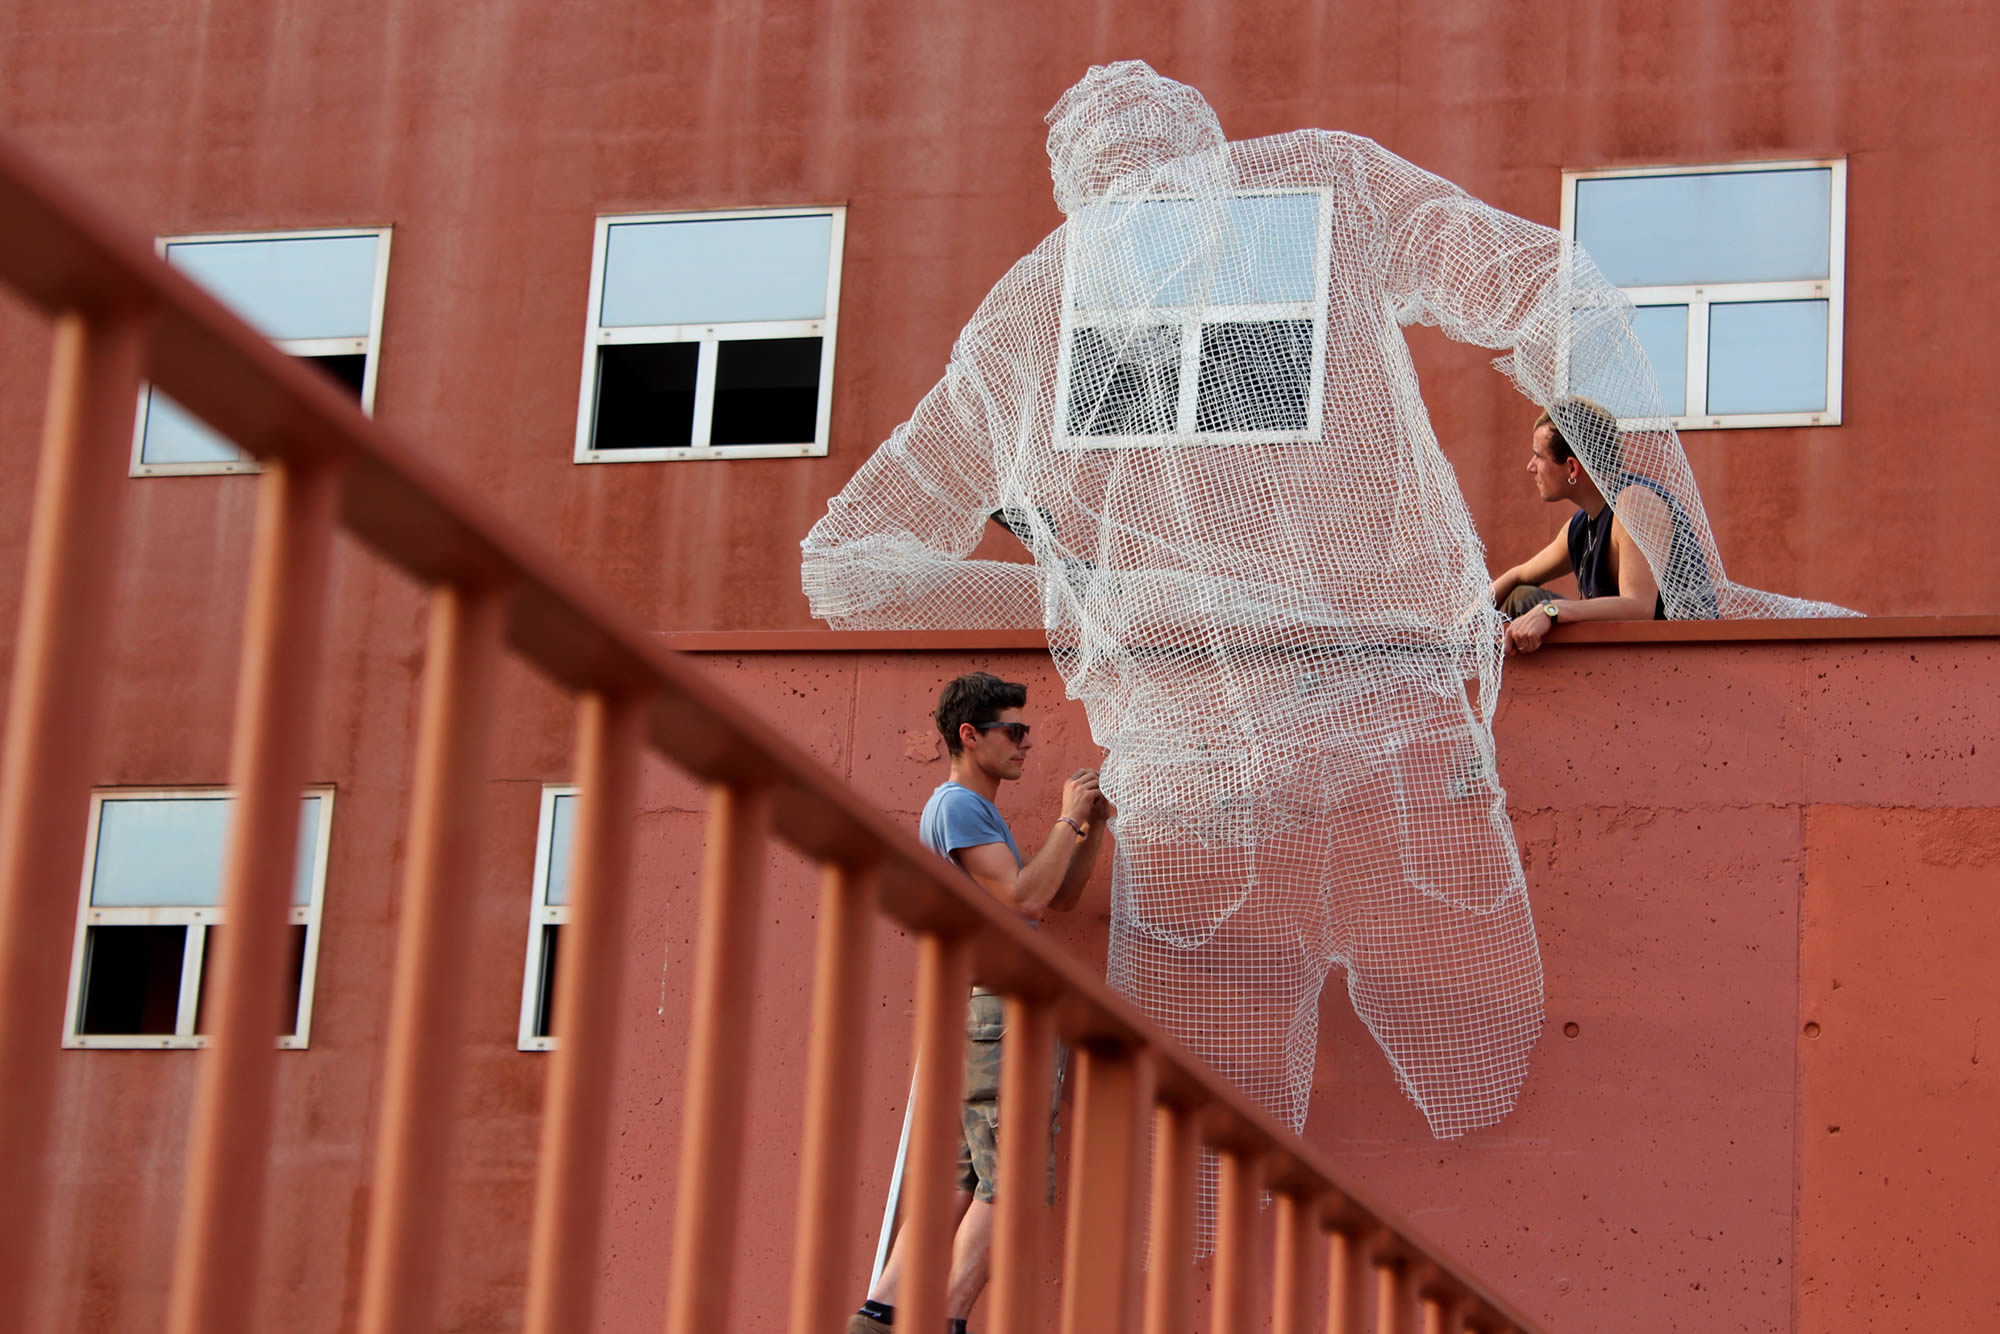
766,391
1255,376
348,370
1124,381
211,969
132,979
545,991
645,396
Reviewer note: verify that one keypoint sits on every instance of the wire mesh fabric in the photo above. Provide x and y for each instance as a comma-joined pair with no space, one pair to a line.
1194,405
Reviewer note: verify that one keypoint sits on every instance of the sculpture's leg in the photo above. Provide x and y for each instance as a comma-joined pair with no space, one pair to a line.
1430,911
1364,826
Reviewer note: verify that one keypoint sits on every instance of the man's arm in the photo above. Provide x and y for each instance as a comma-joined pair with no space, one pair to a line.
1638,592
1546,564
1044,882
1085,860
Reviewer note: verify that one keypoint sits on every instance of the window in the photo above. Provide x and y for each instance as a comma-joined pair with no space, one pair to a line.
1194,322
711,336
317,295
1737,274
151,916
546,918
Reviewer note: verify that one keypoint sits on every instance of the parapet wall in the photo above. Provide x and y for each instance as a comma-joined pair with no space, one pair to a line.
1766,876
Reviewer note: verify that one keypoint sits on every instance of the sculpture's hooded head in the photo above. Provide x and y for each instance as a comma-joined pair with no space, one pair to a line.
1124,129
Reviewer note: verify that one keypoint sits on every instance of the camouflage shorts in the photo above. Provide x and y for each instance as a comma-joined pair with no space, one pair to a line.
979,1142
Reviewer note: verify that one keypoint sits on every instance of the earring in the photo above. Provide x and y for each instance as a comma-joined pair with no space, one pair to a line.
1572,481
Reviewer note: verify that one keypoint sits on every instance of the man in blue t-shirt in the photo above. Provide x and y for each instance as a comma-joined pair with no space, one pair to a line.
980,718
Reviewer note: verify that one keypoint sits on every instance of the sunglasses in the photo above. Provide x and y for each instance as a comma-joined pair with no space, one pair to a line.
1016,732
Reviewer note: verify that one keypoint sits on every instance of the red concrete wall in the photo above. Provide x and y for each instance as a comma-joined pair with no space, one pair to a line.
1679,809
1724,844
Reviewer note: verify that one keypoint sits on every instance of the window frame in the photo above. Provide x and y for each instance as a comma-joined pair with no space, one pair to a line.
1192,319
1700,297
369,347
184,1037
541,916
708,335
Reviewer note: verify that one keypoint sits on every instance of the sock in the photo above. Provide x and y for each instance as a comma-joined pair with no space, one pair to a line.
879,1311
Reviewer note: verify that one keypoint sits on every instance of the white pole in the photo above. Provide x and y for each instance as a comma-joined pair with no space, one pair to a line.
895,1191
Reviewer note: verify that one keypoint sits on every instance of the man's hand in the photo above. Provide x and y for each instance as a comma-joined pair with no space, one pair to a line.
1080,797
1526,633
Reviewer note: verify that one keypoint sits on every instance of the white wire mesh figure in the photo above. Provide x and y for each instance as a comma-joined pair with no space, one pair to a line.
1194,405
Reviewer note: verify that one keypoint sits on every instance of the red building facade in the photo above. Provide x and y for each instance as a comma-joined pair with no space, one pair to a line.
1699,910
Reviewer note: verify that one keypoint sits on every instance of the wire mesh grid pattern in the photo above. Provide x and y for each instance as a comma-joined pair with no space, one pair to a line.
1194,405
120,316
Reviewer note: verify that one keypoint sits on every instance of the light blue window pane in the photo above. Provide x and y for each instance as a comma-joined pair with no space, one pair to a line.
305,287
1603,369
168,853
722,271
174,435
561,823
1663,332
1246,250
1725,227
1767,356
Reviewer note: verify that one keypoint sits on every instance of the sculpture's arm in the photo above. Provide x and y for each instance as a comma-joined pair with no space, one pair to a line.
1480,275
890,553
1490,278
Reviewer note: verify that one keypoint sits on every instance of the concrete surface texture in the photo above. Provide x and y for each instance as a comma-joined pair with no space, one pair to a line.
1763,873
1763,876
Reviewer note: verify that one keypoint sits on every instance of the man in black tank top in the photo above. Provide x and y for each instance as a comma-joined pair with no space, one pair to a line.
1613,578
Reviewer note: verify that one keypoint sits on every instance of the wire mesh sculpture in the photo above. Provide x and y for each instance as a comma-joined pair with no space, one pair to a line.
1194,405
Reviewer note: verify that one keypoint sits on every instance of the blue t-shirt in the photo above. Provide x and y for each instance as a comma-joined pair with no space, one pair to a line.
957,817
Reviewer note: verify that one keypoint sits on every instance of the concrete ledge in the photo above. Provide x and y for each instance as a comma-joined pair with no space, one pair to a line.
1600,632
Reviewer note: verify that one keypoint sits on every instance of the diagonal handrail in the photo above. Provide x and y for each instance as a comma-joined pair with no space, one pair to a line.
65,254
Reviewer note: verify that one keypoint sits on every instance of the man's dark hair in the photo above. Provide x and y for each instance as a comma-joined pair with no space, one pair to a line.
976,697
1596,423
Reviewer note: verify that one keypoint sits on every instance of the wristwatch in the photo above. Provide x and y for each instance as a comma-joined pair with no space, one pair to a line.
1552,611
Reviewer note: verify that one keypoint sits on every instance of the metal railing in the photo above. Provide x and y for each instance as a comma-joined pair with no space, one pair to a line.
121,315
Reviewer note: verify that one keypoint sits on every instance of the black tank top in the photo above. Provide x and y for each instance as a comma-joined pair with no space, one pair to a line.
1590,556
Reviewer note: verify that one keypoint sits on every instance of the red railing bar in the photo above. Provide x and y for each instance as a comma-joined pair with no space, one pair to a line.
230,1146
1115,1091
50,757
1027,1080
406,1208
717,1097
1392,1295
1292,1276
838,1046
569,1191
943,976
1439,1316
1239,1193
1176,1190
1346,1282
